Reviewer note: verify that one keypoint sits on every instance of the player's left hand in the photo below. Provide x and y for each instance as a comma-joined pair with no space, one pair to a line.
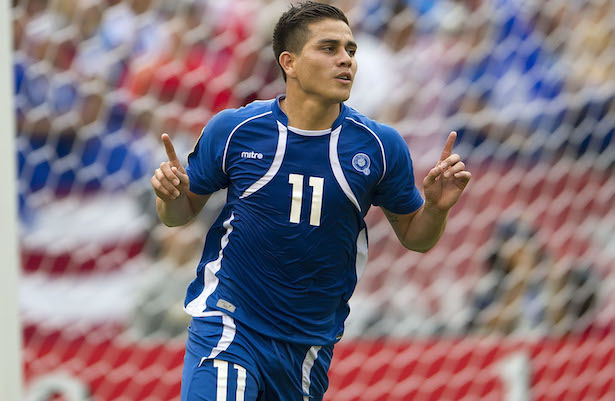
445,182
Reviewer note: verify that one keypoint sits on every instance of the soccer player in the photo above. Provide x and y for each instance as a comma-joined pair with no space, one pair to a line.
282,259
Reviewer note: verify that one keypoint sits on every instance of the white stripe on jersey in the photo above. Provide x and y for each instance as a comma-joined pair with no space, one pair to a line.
306,369
361,258
197,306
384,158
275,166
228,141
311,132
337,168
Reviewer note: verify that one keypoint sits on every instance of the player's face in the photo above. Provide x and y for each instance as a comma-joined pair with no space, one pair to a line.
326,66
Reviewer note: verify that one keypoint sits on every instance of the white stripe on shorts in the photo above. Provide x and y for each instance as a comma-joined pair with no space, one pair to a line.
228,335
308,364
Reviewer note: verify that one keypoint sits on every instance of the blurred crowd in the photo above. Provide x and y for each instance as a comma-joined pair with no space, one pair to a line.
92,79
96,82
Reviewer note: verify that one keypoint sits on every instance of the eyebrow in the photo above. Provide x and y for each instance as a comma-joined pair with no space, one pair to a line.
336,42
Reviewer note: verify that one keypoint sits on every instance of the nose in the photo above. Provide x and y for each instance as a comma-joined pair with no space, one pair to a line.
345,59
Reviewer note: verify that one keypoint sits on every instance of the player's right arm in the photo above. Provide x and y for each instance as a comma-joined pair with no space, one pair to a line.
175,203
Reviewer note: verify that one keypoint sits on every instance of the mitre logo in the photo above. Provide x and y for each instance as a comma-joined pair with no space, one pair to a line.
251,155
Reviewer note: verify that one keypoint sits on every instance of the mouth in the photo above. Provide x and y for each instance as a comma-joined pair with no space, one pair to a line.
344,77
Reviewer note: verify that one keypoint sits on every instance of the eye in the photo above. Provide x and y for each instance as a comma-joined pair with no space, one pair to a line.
328,48
352,52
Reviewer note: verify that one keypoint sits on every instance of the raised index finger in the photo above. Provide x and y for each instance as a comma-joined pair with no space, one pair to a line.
168,146
448,146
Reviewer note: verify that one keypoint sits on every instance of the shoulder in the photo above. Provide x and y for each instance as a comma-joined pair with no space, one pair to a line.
227,121
385,134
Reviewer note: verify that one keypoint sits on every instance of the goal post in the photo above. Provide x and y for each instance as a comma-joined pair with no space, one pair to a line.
10,338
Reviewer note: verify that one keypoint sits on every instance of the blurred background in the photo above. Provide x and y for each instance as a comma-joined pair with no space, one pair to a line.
516,302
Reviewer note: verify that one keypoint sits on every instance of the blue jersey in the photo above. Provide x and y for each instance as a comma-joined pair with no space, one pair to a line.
290,244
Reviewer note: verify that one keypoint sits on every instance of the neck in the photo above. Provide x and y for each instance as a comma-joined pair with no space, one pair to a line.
309,114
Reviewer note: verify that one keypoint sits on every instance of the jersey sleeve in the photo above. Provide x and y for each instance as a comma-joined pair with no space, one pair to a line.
397,191
205,162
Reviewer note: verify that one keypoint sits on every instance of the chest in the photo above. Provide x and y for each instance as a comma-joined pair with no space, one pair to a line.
332,171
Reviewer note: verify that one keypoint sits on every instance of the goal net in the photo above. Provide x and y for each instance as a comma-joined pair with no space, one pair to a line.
516,302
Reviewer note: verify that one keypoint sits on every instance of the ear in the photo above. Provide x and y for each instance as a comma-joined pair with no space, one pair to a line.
287,61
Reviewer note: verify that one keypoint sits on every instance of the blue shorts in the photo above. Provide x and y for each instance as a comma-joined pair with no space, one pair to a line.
227,361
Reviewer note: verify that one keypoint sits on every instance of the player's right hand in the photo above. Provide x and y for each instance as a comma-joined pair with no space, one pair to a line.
170,180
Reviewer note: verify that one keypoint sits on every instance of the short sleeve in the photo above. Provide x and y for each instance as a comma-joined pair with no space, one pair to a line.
205,162
397,191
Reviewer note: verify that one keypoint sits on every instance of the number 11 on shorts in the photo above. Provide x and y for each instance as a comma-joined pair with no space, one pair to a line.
222,383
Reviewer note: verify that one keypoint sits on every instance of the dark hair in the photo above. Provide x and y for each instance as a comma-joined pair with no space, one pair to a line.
291,32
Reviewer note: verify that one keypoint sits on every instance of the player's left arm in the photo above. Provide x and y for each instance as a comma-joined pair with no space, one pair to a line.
420,231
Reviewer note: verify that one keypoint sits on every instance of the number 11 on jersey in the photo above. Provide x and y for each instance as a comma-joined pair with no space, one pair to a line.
317,184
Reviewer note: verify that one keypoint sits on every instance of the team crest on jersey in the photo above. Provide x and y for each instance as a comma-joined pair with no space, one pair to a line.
361,162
